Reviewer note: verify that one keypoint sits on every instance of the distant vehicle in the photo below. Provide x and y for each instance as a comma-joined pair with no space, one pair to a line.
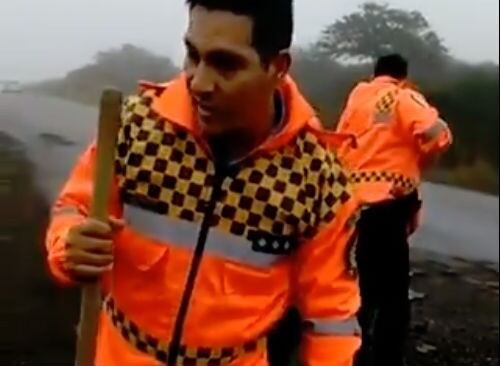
10,87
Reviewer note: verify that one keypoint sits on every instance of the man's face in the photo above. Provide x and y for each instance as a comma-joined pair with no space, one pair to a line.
226,78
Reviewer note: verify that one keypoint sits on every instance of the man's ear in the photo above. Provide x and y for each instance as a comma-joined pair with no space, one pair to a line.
280,65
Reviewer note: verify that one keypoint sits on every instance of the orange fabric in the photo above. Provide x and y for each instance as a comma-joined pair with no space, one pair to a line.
323,270
114,350
323,352
388,120
232,303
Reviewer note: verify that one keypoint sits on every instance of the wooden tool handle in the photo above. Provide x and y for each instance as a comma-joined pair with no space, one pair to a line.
109,125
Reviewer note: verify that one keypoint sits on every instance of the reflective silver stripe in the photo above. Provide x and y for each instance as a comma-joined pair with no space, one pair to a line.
434,131
66,210
238,249
348,327
166,230
184,234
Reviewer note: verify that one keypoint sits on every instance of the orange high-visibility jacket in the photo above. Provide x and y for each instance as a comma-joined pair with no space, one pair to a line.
389,122
208,263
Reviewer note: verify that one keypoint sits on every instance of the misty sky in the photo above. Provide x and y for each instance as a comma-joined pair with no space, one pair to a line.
46,38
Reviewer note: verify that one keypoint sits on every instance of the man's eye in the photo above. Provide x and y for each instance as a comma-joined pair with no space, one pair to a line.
193,55
225,63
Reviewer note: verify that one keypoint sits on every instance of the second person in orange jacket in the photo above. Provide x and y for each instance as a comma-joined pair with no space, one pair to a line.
228,205
398,133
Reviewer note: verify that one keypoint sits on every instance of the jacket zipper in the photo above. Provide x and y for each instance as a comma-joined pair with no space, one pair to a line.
175,346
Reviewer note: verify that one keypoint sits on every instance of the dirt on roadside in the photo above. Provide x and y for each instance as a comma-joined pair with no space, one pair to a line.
457,322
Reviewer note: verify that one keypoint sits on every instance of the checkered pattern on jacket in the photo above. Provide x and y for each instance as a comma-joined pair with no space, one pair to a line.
188,356
279,197
400,182
291,192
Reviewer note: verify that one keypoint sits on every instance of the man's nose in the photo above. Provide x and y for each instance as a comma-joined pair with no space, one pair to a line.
202,81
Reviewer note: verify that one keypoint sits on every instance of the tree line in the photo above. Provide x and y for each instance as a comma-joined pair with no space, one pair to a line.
466,94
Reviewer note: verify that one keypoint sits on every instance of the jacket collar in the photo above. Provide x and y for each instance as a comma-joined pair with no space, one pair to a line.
387,80
175,105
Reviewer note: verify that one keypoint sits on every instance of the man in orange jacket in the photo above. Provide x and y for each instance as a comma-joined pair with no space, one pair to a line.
228,207
398,133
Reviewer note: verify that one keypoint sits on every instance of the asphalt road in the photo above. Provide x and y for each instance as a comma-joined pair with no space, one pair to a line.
459,223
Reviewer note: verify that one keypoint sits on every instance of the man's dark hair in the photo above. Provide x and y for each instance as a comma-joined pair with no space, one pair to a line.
272,21
393,65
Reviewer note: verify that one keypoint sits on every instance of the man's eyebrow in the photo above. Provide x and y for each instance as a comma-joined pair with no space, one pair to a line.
221,51
226,53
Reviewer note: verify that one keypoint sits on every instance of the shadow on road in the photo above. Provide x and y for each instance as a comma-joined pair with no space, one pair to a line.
37,320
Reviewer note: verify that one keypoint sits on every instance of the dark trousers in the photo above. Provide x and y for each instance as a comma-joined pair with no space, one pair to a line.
384,266
284,340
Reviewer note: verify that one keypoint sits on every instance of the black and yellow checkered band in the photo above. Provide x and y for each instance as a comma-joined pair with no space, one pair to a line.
188,356
290,192
387,102
401,183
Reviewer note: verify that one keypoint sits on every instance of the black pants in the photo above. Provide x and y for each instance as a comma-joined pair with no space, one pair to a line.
384,266
284,340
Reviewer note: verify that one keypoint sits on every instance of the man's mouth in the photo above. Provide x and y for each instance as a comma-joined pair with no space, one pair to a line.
205,110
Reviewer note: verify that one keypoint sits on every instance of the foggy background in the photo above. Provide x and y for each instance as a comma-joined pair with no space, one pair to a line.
46,38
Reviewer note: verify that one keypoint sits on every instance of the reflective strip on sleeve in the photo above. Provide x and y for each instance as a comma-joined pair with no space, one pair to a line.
65,211
433,132
184,234
348,327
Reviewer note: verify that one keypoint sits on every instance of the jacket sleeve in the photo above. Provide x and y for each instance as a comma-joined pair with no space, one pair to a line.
431,133
73,203
70,209
327,286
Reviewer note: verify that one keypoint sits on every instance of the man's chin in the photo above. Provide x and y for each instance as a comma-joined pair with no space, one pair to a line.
210,128
206,121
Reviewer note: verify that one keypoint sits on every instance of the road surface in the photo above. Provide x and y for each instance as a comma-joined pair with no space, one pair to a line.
37,320
460,223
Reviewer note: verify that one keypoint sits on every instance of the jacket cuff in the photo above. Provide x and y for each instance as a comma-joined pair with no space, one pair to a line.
320,350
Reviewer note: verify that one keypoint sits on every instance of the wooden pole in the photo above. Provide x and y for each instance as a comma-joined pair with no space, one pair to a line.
109,124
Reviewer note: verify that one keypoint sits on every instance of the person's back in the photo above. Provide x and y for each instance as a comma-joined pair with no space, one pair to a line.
397,132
